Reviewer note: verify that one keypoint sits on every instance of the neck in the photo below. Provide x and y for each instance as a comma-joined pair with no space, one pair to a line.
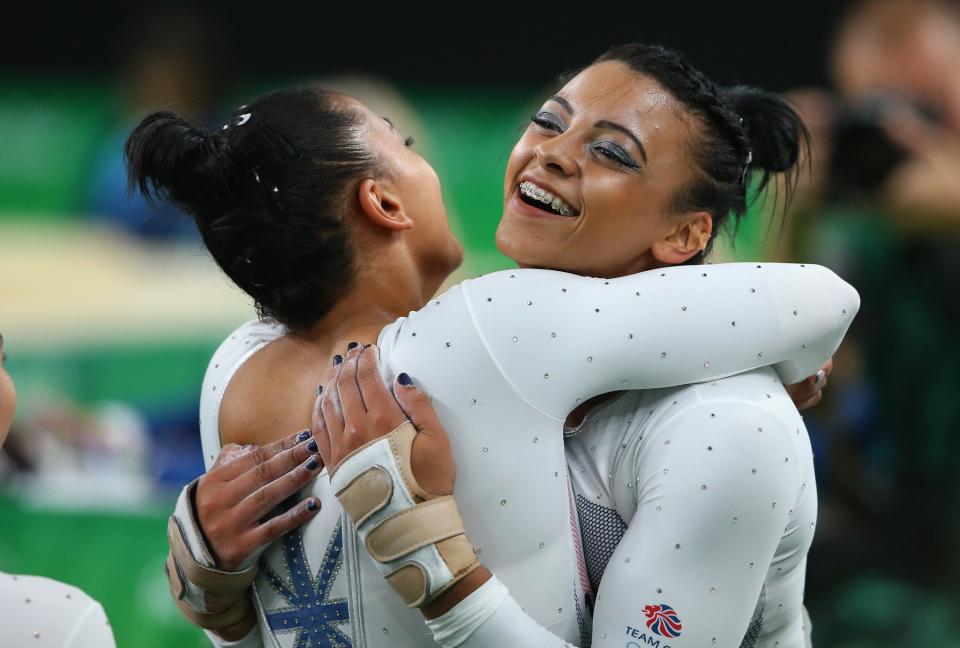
382,291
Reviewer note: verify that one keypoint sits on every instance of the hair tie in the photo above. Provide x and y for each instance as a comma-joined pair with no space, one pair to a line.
746,167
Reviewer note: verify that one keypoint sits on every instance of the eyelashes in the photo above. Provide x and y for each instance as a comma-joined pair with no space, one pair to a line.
616,154
605,149
548,121
409,141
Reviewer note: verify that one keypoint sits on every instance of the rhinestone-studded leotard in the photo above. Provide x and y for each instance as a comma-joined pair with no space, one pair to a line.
505,358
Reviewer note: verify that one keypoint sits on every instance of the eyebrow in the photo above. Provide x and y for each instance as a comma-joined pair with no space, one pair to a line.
563,103
626,131
389,121
604,124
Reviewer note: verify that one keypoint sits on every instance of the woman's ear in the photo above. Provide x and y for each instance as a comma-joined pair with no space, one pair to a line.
686,240
380,202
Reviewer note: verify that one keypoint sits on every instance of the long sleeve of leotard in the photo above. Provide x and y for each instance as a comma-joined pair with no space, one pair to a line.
715,488
561,339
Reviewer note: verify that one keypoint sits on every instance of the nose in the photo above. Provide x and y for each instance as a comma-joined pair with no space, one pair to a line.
553,155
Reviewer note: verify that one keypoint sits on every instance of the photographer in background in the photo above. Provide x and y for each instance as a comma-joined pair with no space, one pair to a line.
882,207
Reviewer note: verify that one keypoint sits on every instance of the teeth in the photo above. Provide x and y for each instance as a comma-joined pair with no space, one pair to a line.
542,195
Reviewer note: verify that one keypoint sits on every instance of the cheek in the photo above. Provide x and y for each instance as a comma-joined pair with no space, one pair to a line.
8,403
519,157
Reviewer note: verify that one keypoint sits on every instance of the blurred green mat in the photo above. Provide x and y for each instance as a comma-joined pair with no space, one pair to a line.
116,557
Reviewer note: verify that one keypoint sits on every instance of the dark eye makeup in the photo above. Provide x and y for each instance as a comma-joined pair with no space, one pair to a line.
606,149
615,153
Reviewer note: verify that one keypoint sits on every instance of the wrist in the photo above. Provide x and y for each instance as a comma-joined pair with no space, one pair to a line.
416,540
456,593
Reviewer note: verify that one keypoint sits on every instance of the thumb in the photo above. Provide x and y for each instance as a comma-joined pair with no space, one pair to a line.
417,406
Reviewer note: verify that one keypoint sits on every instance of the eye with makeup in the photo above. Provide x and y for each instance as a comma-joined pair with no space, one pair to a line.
615,153
548,120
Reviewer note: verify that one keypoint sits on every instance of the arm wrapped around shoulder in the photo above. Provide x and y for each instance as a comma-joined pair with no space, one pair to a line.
208,597
417,539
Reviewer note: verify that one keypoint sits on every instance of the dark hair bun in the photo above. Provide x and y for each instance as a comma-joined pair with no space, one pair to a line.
266,193
168,157
774,130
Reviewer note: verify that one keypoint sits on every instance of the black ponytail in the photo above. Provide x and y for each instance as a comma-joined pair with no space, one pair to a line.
267,192
169,158
746,130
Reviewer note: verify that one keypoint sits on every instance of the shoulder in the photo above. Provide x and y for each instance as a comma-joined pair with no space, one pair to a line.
42,608
741,436
236,349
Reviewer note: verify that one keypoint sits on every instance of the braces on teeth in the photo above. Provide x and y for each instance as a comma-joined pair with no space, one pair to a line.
542,195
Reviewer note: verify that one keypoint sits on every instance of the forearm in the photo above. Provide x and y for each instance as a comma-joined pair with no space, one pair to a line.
490,618
583,336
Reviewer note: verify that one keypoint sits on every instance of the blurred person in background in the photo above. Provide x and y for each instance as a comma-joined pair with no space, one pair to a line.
882,207
171,57
37,611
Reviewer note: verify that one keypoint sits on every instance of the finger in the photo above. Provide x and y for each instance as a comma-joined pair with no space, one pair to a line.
376,397
351,401
257,504
277,526
802,391
330,406
820,380
810,402
417,406
273,468
228,454
242,462
828,367
319,427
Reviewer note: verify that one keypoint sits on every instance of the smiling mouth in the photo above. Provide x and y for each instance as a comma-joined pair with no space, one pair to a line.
540,198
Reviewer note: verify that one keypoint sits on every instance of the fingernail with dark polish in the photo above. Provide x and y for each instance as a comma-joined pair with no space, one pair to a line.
303,436
312,446
319,390
312,505
352,345
405,379
337,359
313,463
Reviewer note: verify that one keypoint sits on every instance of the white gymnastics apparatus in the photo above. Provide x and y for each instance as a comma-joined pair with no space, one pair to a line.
506,357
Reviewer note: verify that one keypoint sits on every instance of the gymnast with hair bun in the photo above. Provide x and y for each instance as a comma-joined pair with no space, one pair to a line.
610,455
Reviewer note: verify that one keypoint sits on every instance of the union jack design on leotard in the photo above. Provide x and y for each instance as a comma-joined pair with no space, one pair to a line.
663,620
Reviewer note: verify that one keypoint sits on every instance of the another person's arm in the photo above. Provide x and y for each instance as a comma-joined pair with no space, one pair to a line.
561,339
357,413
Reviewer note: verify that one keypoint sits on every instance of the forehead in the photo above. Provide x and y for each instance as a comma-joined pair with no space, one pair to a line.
613,87
611,91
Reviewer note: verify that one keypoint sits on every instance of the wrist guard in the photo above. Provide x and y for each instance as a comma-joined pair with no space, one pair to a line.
416,539
209,597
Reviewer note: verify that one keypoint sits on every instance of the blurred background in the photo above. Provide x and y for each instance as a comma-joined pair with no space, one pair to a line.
110,310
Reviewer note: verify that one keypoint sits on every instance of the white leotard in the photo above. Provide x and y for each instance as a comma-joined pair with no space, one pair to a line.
505,358
700,498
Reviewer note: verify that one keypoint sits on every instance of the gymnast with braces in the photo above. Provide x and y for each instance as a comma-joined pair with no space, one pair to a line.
537,345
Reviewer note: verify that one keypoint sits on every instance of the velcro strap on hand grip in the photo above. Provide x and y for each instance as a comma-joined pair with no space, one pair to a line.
416,539
209,597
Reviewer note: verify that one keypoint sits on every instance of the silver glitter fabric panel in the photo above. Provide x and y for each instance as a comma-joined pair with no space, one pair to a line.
601,531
